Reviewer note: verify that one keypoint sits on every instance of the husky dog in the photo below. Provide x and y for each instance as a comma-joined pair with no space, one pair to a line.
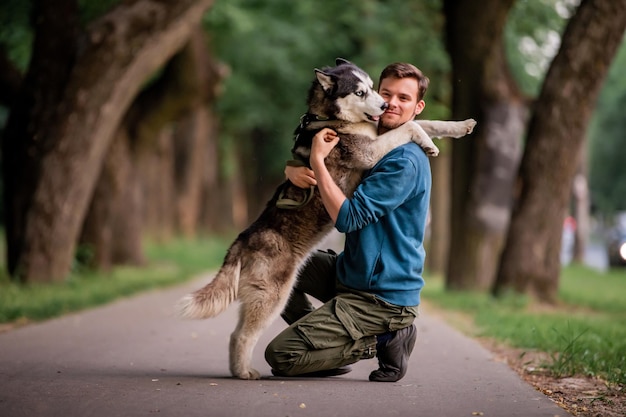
261,265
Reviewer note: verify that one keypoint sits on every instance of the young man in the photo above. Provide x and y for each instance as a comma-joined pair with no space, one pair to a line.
372,289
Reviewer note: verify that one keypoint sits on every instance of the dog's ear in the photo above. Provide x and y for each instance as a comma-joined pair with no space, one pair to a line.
325,80
341,61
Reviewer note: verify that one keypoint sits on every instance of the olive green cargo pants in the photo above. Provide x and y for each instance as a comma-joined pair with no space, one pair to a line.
340,332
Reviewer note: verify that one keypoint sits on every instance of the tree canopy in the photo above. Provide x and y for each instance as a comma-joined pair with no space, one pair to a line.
272,47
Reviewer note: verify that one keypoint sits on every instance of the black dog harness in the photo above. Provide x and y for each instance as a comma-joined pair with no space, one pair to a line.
287,203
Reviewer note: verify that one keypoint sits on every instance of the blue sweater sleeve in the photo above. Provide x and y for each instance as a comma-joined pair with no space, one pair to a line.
383,189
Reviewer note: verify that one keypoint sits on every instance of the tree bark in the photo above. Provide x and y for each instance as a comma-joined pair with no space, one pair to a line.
530,261
582,210
179,97
56,28
10,79
111,231
439,226
189,143
484,164
72,131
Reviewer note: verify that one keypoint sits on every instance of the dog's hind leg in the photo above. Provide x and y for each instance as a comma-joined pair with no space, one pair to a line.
258,310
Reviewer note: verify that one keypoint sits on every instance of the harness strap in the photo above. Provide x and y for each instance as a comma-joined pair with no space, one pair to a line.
289,203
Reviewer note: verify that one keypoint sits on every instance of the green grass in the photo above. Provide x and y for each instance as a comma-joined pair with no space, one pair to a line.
168,264
585,334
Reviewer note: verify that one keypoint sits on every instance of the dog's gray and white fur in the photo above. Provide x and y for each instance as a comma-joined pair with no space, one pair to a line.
261,265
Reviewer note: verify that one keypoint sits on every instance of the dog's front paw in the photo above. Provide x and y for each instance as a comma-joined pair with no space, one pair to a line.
469,125
248,374
431,150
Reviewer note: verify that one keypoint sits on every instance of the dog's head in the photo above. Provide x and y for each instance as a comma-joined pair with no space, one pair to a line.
346,92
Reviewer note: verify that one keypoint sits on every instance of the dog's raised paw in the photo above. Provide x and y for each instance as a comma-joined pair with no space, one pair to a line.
469,125
432,151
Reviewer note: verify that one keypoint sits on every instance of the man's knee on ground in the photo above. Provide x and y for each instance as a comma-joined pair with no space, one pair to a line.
278,359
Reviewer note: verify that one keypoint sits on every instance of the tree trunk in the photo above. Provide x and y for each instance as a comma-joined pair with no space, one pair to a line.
582,208
10,79
484,164
189,81
112,228
530,261
73,129
216,190
439,230
35,104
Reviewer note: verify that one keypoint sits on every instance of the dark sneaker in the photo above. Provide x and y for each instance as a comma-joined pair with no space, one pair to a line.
317,374
393,356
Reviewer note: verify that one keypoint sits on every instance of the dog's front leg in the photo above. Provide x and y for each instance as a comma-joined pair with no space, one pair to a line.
397,137
447,129
412,131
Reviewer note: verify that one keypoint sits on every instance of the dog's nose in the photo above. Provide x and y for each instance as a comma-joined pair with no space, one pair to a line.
384,106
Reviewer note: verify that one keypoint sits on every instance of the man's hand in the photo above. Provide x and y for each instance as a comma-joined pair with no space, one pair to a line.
323,142
332,196
302,177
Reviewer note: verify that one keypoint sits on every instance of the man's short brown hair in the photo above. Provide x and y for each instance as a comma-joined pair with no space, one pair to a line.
406,70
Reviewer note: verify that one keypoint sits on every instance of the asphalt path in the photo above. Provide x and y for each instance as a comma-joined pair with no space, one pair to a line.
135,358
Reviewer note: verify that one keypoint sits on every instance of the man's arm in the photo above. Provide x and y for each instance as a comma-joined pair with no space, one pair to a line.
332,196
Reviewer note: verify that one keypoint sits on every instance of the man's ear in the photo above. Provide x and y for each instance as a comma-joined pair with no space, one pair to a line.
419,107
324,79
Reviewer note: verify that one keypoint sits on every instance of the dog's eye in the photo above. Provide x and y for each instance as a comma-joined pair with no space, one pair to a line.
360,93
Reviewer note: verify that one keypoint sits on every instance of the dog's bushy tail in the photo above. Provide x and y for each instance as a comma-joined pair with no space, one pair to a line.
216,296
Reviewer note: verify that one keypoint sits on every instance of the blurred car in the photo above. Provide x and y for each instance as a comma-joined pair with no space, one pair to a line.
616,242
616,248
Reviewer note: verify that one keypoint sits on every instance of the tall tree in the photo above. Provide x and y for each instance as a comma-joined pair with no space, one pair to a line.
484,165
76,90
530,260
607,142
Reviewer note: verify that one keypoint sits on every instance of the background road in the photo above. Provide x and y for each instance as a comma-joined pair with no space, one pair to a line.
134,358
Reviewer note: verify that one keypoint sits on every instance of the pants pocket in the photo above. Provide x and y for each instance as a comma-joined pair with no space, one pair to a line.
400,322
346,315
322,329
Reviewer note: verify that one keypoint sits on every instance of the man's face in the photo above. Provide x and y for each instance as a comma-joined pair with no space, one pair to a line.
401,95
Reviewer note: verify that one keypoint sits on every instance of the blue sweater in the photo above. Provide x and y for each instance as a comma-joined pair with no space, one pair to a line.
385,222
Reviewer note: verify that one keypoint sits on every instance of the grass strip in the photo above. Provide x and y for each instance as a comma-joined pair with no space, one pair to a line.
584,333
168,264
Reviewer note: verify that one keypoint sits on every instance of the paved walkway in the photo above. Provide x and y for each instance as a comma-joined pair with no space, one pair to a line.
134,358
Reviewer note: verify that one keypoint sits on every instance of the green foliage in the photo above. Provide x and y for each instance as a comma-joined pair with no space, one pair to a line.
607,141
169,264
532,37
16,35
273,47
585,334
